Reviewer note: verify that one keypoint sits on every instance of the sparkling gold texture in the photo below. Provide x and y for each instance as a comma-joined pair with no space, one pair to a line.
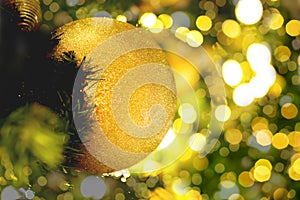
141,100
85,35
82,37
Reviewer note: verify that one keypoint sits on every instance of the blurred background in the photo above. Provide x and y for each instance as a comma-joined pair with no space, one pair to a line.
255,45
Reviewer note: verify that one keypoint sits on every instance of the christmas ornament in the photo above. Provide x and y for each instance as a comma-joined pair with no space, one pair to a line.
124,97
29,12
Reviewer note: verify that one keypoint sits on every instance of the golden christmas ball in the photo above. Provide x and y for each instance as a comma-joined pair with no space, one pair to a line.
128,86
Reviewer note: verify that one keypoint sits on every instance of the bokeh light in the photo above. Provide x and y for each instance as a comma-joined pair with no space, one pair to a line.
204,23
93,187
232,72
249,11
231,28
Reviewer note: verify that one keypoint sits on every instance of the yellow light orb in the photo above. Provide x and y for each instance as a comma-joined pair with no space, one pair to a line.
264,137
276,21
232,72
194,38
204,23
148,20
280,141
249,11
289,111
197,141
282,53
181,33
157,27
222,113
231,28
233,136
293,174
261,173
280,193
83,37
258,55
264,162
246,179
242,95
121,18
167,20
293,28
296,166
187,113
294,139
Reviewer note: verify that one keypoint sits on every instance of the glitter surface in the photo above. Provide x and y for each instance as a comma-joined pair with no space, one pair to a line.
83,36
134,93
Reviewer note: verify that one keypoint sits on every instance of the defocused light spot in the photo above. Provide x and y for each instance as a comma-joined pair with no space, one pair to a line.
289,111
228,188
276,21
157,27
200,163
293,28
282,53
220,3
120,196
233,136
48,15
121,18
261,173
148,19
293,174
232,72
10,193
193,194
47,2
258,55
187,113
168,139
261,83
180,19
280,141
294,138
242,95
231,28
166,20
291,194
280,193
249,11
72,2
194,38
102,13
222,113
263,137
236,197
181,127
196,179
246,179
54,7
264,162
42,181
219,168
93,187
204,23
197,141
179,186
296,165
181,33
29,194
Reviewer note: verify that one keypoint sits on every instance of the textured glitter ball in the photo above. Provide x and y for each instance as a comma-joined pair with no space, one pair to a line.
115,148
